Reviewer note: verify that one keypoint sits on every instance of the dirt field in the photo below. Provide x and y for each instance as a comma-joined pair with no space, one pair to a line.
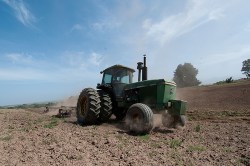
217,133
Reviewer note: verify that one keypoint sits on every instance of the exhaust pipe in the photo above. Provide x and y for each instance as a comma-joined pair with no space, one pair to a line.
144,69
139,67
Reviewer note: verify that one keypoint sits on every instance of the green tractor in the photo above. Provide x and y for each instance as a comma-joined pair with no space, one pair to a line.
134,102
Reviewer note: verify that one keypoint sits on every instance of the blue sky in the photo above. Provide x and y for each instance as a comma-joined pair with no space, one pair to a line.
52,49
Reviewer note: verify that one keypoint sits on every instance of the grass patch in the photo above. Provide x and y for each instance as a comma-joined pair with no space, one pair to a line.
227,113
49,140
27,106
39,120
64,120
190,118
27,128
227,149
79,157
152,154
120,146
122,141
155,145
22,138
144,137
244,160
94,127
177,158
197,128
53,122
11,127
6,138
174,143
119,137
196,148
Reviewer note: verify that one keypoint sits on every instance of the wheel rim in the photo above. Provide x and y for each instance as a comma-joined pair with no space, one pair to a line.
136,119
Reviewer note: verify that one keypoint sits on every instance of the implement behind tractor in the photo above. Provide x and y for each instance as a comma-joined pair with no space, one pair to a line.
136,102
63,111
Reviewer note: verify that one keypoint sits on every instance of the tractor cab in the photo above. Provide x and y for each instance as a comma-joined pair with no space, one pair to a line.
115,78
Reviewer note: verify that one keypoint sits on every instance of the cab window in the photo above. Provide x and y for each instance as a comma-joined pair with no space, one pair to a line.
106,79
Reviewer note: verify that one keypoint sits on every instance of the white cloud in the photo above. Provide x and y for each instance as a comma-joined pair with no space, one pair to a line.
222,58
247,28
76,27
105,24
121,16
74,58
81,59
216,14
217,67
95,59
20,66
22,13
61,74
98,25
196,14
21,74
19,58
147,24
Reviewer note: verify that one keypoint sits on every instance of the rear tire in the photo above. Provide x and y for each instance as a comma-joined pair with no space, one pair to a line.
106,106
88,107
139,119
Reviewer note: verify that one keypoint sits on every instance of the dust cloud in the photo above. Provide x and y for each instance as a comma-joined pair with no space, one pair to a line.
157,120
69,102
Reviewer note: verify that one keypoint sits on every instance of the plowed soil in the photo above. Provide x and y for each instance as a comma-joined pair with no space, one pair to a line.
217,133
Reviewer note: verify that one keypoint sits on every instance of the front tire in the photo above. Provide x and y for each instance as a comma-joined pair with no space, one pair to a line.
139,119
88,107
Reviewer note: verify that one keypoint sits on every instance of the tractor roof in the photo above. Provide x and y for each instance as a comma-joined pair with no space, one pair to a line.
119,67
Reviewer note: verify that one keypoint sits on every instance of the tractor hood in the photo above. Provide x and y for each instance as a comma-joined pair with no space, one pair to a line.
148,83
155,93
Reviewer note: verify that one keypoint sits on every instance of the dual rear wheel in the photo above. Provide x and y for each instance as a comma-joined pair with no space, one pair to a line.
93,107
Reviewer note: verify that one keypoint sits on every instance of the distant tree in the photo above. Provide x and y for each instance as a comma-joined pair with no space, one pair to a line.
229,80
246,67
185,75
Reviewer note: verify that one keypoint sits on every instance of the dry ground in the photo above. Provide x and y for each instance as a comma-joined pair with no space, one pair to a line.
217,133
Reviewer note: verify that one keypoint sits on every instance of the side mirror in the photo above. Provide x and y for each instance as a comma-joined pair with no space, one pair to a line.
98,85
